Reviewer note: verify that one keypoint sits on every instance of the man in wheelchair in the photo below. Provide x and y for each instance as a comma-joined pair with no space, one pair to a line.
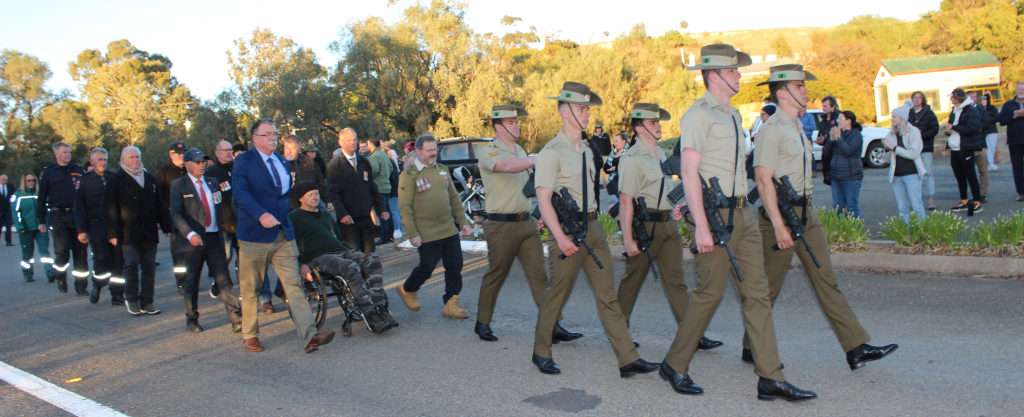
322,252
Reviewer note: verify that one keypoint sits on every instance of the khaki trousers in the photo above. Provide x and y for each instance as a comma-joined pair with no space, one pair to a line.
981,161
506,242
713,269
667,251
823,280
602,283
253,259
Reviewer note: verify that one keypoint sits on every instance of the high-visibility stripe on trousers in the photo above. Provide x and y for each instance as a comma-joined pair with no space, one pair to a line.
47,260
180,270
80,274
61,268
117,280
101,277
26,265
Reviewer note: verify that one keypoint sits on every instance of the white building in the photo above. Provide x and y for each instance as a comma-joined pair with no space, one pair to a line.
936,76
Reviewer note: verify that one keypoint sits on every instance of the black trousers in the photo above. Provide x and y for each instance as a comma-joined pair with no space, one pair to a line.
964,171
1017,164
179,269
66,246
387,227
139,287
107,262
447,250
212,254
6,222
360,234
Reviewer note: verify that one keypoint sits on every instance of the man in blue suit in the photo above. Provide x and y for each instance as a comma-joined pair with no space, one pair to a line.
261,183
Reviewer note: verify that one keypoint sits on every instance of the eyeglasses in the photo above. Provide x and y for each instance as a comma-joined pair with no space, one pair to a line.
273,135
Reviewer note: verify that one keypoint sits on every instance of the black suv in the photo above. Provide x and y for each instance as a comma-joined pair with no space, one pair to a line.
460,152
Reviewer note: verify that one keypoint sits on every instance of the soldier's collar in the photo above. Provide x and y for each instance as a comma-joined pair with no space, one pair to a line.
419,165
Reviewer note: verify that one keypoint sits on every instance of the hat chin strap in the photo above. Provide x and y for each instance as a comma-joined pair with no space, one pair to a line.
803,106
734,90
573,113
514,137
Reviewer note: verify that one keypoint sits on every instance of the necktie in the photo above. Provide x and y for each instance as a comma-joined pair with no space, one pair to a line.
206,203
273,173
352,161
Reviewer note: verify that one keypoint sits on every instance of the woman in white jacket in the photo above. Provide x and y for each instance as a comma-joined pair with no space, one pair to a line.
906,167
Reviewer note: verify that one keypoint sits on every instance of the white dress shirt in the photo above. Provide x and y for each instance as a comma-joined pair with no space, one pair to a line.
282,172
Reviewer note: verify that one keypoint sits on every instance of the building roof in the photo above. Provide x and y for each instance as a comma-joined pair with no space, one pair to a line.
939,62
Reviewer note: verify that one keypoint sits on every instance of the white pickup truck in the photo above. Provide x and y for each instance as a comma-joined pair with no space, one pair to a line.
872,151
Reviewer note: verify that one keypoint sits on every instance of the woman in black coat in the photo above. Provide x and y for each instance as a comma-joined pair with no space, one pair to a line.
923,118
846,168
990,114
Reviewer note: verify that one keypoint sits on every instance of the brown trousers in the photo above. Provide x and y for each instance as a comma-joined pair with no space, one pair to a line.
602,283
666,251
506,242
713,269
823,280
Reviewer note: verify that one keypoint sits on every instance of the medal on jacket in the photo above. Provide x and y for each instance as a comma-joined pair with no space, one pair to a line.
366,176
422,184
225,186
216,197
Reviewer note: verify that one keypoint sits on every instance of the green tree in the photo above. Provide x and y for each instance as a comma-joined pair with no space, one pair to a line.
277,78
979,25
132,91
781,47
22,91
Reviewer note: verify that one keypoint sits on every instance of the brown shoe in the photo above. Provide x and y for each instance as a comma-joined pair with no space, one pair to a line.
267,308
321,338
252,344
409,298
453,311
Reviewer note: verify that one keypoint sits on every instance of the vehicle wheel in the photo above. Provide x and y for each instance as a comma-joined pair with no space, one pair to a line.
876,155
316,295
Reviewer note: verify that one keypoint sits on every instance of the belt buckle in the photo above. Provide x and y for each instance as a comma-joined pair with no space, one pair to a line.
741,202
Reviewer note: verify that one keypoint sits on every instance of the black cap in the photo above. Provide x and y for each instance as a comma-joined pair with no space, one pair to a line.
238,147
195,155
304,187
178,148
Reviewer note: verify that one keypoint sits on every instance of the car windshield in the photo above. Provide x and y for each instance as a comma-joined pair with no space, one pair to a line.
454,152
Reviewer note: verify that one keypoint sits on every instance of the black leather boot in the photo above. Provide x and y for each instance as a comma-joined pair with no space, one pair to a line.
546,365
484,332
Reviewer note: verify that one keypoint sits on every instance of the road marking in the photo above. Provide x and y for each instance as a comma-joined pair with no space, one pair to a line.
59,397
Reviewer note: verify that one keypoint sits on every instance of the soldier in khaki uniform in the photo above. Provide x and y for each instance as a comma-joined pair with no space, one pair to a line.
510,230
566,162
640,176
711,148
783,150
430,209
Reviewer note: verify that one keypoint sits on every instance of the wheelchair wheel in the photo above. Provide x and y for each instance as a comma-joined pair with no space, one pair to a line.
316,295
347,302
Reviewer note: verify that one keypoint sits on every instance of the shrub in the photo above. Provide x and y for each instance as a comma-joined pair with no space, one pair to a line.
842,228
609,224
1003,231
939,229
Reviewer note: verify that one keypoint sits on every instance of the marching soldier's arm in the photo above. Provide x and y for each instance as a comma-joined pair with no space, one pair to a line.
628,182
513,165
406,194
693,129
766,161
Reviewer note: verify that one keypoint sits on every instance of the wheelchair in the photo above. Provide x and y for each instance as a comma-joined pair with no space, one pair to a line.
324,286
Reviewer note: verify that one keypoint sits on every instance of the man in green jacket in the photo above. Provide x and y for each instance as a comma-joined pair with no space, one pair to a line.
430,210
380,165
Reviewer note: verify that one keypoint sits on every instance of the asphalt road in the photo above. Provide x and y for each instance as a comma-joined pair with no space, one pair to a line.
958,338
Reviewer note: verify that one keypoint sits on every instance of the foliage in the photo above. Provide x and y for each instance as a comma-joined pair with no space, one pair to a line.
609,224
842,228
938,229
1002,231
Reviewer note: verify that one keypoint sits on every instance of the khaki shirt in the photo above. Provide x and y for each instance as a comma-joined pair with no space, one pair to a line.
713,130
428,202
782,147
640,175
559,165
504,189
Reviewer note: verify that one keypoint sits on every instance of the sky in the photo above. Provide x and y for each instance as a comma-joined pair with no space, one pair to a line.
196,35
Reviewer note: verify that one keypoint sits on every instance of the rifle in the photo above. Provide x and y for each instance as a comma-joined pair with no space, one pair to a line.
572,220
640,235
787,197
715,199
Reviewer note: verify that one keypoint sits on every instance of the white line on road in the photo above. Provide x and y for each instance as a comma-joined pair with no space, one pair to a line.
66,400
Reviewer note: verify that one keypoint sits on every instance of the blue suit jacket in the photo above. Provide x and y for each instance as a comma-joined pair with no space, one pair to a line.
254,194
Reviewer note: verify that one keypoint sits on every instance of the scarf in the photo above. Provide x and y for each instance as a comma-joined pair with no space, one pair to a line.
138,175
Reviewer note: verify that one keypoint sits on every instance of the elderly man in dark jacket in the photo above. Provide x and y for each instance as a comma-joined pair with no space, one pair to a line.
923,118
196,211
302,168
350,188
134,213
220,171
1012,116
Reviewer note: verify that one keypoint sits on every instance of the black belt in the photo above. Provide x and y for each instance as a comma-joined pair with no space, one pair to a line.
59,209
508,217
659,215
735,202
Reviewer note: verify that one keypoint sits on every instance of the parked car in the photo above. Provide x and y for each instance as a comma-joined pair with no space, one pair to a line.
872,151
459,155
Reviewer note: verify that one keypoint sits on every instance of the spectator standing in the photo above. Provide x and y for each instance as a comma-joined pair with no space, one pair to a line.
829,120
923,118
380,165
964,130
905,166
1012,116
6,193
846,167
990,115
980,160
600,143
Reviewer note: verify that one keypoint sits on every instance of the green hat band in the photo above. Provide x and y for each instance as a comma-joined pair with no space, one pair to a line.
786,76
644,114
573,97
718,60
504,114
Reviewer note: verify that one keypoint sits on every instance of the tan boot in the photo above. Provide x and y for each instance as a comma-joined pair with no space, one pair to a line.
453,311
409,298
